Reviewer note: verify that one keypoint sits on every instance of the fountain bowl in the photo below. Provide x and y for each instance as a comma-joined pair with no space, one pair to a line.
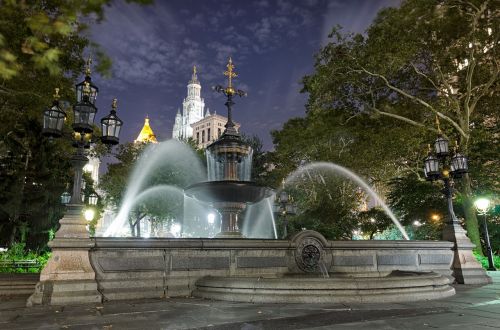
228,192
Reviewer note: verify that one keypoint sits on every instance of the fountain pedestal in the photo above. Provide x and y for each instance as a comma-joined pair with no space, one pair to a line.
68,277
466,269
229,198
230,214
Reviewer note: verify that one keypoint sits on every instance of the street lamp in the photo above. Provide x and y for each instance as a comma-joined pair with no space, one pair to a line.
439,166
284,206
442,165
84,114
483,205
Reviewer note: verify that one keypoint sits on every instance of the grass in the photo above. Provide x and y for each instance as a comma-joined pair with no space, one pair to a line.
484,261
17,252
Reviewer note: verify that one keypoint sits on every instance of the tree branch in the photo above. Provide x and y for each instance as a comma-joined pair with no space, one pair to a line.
402,118
418,100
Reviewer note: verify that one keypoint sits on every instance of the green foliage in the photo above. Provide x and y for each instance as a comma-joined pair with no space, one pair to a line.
326,203
415,199
391,233
373,221
41,48
45,24
18,252
161,206
484,260
373,100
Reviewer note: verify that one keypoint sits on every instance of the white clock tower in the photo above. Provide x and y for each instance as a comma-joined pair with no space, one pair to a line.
193,108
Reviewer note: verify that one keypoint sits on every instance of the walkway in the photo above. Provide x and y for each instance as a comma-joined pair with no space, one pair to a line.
472,308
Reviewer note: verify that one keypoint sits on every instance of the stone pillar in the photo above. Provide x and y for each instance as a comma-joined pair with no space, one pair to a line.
466,269
230,226
68,277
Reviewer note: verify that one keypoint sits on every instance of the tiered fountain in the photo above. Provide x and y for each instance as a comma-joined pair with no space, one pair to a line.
229,160
305,268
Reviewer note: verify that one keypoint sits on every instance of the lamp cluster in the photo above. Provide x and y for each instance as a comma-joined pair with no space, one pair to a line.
283,206
84,114
84,111
437,166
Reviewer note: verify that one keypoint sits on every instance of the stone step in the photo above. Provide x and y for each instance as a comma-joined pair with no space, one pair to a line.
18,284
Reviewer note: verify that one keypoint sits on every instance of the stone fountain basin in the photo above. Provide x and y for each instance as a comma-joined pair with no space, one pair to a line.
395,287
228,191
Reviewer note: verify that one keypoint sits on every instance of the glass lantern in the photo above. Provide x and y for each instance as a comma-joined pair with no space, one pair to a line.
93,198
111,126
84,117
53,120
431,167
65,198
90,95
458,165
283,197
441,146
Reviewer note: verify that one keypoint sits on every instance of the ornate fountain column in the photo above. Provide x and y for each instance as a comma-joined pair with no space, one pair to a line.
229,159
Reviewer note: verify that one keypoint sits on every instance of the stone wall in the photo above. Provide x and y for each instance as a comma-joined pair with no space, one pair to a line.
129,268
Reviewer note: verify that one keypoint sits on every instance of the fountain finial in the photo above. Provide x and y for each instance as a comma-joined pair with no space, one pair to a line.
87,66
230,91
230,74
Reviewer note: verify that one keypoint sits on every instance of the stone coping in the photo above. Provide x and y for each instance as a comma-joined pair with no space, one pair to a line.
224,243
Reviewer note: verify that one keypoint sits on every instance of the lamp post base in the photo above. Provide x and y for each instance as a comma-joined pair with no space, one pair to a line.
466,269
68,277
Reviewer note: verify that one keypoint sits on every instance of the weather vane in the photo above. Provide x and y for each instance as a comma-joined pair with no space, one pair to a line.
230,74
229,91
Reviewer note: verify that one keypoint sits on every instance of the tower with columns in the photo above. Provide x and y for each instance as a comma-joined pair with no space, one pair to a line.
193,108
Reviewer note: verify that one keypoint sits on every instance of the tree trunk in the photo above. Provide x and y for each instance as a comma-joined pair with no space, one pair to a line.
471,223
132,227
138,227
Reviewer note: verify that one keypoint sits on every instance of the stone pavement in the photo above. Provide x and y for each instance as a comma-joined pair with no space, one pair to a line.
471,308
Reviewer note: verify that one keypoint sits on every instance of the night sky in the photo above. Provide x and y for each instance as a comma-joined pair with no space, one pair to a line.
272,44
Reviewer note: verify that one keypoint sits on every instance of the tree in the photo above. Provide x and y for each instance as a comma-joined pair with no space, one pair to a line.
46,23
418,61
162,205
41,48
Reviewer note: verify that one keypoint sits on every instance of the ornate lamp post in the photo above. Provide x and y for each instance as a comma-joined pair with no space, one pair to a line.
284,206
443,166
70,263
483,205
84,115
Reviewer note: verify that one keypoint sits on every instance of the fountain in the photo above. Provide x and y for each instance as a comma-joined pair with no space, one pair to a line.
305,268
229,189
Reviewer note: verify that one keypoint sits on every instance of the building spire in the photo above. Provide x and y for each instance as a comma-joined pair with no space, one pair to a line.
194,77
146,135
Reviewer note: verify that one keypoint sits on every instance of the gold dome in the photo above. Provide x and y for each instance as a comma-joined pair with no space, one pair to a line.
146,134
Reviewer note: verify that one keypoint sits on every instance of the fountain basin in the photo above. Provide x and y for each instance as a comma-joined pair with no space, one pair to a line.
228,191
398,286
